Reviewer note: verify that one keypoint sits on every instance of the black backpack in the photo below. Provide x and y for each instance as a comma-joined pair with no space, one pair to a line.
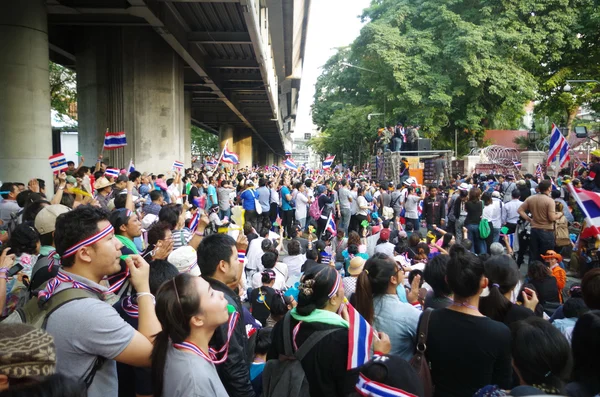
285,377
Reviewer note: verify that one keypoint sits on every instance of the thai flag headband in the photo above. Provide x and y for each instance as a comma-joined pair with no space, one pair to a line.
367,387
89,241
336,286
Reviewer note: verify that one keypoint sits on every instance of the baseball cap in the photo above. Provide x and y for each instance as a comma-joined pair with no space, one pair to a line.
45,220
185,260
384,234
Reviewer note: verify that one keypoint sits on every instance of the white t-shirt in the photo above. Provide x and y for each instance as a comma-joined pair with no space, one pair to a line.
301,206
410,206
281,272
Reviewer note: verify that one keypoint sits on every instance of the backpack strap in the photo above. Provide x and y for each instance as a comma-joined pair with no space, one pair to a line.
422,331
64,297
287,335
311,342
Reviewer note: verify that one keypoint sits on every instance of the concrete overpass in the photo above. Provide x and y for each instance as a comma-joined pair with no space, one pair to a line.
151,68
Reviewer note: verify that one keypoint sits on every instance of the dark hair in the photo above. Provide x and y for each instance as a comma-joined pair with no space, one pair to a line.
474,194
266,245
537,271
263,341
157,232
555,194
435,275
503,275
134,175
590,286
353,238
176,303
414,273
293,248
212,250
160,271
120,200
446,240
540,352
23,240
516,193
33,208
155,195
544,185
574,308
585,342
269,259
7,187
279,305
372,281
314,289
26,197
465,271
170,213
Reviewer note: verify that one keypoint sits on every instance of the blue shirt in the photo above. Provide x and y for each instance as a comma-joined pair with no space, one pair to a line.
398,320
248,197
211,192
285,204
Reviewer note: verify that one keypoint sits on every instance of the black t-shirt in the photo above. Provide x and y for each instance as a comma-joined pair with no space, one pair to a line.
474,211
517,313
132,380
467,352
547,290
595,168
193,194
260,301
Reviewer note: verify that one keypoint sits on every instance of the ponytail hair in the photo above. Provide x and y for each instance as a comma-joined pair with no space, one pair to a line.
503,275
315,286
177,301
374,280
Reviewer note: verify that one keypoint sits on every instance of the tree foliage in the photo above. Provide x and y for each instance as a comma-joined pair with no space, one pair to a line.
463,65
63,89
204,143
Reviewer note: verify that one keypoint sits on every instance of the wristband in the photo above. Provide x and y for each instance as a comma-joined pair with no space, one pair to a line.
242,257
140,294
3,272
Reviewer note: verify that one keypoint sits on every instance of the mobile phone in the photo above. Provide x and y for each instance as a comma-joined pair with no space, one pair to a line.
14,270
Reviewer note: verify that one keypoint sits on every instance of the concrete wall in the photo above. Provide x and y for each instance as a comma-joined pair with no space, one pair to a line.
24,93
131,80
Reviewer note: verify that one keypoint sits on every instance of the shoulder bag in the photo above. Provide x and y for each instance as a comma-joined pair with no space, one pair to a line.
419,361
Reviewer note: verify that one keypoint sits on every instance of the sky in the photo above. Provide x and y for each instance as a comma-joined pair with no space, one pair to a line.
331,24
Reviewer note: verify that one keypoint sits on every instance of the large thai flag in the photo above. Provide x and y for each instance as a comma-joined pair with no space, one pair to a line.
360,338
229,157
290,165
114,140
328,162
558,147
58,162
589,202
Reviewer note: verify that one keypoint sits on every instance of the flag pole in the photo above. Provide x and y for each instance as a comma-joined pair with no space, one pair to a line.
221,156
327,224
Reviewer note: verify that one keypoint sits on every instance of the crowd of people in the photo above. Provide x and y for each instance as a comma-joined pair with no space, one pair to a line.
209,281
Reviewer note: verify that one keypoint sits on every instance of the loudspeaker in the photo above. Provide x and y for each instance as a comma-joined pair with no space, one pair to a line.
423,144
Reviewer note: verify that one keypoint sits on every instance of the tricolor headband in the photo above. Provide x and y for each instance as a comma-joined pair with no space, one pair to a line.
89,241
336,285
368,387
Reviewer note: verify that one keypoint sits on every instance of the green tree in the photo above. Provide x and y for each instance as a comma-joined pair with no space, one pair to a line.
63,89
204,143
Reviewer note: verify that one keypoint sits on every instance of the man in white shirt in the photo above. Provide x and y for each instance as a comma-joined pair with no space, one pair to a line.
510,211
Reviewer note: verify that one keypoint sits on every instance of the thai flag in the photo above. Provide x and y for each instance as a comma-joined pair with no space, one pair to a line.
420,209
131,167
328,162
331,225
276,168
517,164
538,171
177,165
211,161
360,338
194,222
58,162
290,165
589,202
584,164
558,147
114,140
288,153
511,239
554,187
229,157
112,172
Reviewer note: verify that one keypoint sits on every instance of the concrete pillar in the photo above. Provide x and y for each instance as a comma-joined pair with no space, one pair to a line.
243,144
187,137
530,159
24,92
226,135
131,80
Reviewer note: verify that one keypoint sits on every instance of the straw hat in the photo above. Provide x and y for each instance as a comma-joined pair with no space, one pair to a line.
102,182
356,266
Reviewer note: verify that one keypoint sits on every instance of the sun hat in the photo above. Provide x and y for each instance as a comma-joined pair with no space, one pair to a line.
102,182
185,260
45,220
356,266
552,254
463,186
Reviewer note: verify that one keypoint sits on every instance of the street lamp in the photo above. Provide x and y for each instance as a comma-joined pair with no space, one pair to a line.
472,144
532,137
567,87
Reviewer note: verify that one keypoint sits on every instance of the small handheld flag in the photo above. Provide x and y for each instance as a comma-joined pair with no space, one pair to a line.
114,140
131,167
112,172
517,164
538,171
229,157
360,338
177,165
58,162
331,228
194,222
328,162
290,165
